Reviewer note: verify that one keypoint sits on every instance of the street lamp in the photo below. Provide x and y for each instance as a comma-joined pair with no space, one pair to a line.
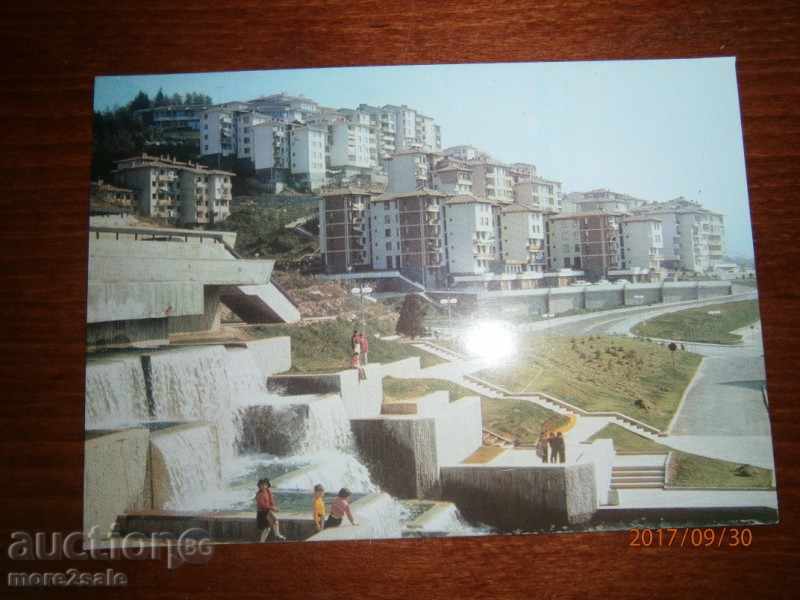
449,303
362,291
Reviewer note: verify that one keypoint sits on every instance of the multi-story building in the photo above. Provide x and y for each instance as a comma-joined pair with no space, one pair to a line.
694,237
469,229
522,237
603,200
584,241
641,244
227,130
523,172
411,170
344,230
538,191
307,151
103,193
452,176
285,108
492,180
465,153
407,235
179,116
185,193
290,152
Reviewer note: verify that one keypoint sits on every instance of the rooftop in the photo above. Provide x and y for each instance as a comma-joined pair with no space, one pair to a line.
415,194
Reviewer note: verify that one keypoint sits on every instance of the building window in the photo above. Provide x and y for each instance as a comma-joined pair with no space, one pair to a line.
388,233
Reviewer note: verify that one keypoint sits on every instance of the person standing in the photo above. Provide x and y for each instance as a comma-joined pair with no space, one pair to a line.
318,507
541,447
562,448
339,508
364,342
552,444
266,509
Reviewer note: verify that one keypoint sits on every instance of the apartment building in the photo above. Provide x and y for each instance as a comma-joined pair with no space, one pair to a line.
604,200
522,238
538,191
179,192
465,153
641,244
285,108
102,194
492,180
180,116
307,151
469,235
344,230
452,176
411,170
694,237
584,241
407,235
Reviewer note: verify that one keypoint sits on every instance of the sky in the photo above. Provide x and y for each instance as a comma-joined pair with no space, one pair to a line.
653,129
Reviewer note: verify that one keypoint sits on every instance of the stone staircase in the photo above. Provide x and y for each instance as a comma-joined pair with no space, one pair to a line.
637,477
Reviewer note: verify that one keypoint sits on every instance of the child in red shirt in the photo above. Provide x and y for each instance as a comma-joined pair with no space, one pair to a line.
266,507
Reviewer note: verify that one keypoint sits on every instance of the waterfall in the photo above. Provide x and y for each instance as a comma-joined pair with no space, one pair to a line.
331,468
115,392
186,461
205,384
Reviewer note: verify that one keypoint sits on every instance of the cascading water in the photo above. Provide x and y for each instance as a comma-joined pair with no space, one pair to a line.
190,459
116,394
203,384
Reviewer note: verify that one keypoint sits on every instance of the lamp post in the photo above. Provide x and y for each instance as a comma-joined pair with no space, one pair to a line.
361,292
449,303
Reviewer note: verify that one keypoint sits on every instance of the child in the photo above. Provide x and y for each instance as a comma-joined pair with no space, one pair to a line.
267,507
318,507
339,508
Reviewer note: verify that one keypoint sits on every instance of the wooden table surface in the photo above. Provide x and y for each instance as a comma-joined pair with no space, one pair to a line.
52,51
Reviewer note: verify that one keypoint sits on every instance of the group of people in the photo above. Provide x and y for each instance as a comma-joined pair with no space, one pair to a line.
267,506
551,448
360,349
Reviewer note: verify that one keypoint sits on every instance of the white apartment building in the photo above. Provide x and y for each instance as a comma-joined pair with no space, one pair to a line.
407,235
285,108
350,144
605,200
522,237
178,192
413,129
523,172
307,151
492,180
694,237
641,243
469,226
465,153
410,170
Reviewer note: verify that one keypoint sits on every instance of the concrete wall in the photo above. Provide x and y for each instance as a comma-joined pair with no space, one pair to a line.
116,478
362,399
145,331
208,320
601,454
516,303
598,297
400,452
239,526
459,425
272,355
526,498
563,300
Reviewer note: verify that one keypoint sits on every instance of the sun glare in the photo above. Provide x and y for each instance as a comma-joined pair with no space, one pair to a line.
491,340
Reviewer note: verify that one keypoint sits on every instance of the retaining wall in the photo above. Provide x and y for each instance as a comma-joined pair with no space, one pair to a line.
400,452
459,425
526,498
116,478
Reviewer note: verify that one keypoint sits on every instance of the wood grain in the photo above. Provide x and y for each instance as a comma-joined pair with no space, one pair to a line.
52,51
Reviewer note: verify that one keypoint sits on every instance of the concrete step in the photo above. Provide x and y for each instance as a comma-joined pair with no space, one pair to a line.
638,473
621,468
642,479
635,486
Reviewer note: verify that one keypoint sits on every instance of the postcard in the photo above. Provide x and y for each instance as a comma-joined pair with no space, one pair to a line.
407,302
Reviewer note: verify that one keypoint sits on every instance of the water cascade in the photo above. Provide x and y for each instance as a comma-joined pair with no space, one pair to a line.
116,394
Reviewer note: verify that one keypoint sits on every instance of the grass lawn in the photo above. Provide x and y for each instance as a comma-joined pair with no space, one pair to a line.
519,420
397,390
697,325
689,470
598,373
325,346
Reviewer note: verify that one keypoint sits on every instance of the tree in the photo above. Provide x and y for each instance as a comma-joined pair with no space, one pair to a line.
412,314
142,100
160,99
